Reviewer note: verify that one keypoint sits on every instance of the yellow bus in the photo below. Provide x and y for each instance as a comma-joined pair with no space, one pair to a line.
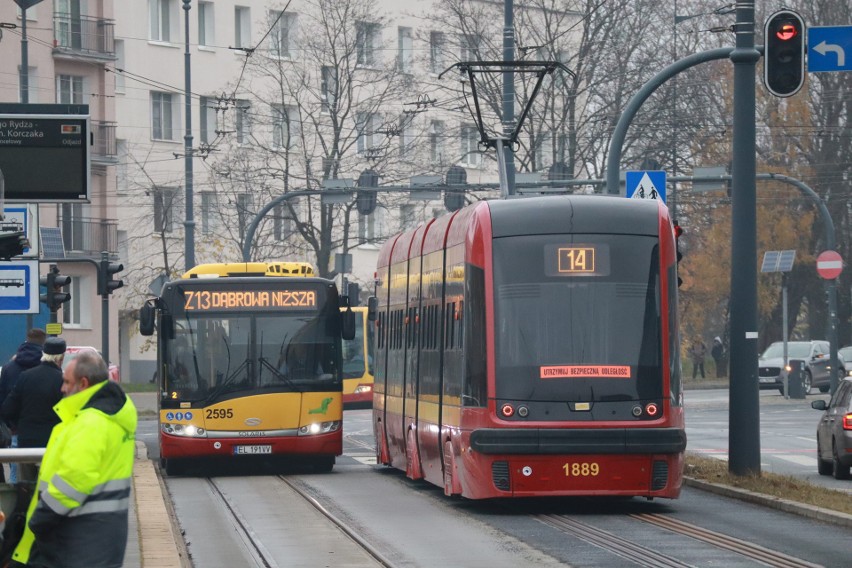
249,363
358,362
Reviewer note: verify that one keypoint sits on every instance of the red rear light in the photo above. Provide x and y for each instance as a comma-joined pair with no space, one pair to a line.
651,409
507,410
847,422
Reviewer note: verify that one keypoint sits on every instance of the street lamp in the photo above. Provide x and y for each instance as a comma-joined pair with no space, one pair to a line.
189,223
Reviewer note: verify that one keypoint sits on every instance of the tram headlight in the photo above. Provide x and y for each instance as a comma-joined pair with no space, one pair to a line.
184,430
360,389
319,428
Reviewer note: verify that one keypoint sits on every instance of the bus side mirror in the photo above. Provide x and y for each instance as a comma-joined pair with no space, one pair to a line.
146,319
348,325
372,308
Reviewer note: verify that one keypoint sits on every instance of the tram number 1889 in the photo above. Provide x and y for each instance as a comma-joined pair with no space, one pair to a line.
584,469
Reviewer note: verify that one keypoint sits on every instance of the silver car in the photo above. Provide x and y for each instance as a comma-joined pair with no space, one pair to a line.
816,359
834,432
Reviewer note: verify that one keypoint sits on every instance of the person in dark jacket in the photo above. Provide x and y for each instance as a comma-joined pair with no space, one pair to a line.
28,356
29,407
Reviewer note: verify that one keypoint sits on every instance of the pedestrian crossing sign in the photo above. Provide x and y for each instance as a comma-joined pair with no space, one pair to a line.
646,184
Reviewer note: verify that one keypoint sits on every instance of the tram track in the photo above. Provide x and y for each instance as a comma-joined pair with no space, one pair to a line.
651,558
259,554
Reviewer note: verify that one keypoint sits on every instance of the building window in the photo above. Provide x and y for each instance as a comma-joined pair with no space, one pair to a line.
407,218
367,124
283,33
367,43
207,119
243,121
406,135
243,212
282,226
162,116
405,50
32,84
367,228
328,88
206,24
164,205
72,310
162,16
436,141
285,129
120,63
73,227
242,27
468,47
208,210
436,52
69,90
470,146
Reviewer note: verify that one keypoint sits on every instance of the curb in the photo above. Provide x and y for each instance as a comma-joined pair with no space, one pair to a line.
809,511
157,542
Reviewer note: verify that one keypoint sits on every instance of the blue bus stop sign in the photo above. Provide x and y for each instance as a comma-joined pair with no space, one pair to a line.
829,49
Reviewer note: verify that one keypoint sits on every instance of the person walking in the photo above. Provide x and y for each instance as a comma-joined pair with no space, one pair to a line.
28,356
78,516
716,352
697,353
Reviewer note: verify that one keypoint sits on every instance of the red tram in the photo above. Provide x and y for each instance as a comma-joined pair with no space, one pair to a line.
528,347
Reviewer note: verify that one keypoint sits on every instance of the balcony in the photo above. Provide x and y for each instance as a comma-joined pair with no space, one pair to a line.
83,35
86,237
104,149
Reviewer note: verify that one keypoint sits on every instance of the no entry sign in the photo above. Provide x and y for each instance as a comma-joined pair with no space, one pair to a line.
829,264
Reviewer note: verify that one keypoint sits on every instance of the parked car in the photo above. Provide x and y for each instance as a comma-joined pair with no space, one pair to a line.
815,355
73,350
834,432
846,354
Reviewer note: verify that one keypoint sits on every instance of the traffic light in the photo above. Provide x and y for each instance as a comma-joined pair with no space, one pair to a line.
53,283
678,231
13,244
106,284
366,201
784,53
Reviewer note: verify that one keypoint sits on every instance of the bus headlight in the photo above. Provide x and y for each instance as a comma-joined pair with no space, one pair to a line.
319,428
184,430
361,389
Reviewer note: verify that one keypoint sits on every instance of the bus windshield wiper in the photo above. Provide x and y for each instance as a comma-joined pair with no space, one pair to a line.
278,374
228,380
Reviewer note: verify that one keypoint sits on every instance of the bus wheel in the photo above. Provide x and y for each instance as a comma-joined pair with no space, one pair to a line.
324,464
173,467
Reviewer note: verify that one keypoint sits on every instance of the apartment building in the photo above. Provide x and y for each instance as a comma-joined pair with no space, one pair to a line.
71,52
282,101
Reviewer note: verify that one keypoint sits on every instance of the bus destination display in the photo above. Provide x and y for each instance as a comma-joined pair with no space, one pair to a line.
241,300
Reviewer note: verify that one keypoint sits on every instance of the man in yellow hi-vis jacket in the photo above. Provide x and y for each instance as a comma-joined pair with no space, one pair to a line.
78,515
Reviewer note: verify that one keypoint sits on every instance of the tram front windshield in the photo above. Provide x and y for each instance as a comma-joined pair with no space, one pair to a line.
577,317
211,357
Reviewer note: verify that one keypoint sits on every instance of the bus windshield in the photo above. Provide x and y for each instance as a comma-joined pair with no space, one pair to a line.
215,355
577,318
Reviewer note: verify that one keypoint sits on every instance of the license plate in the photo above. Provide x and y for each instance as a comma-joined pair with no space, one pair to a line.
769,380
240,450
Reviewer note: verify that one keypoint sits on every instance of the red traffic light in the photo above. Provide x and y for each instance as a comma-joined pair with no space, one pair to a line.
678,230
787,31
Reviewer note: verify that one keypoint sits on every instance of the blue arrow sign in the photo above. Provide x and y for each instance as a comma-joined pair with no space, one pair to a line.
19,287
646,184
830,49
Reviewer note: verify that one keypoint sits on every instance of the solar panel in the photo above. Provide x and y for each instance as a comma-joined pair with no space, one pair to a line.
52,245
778,261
